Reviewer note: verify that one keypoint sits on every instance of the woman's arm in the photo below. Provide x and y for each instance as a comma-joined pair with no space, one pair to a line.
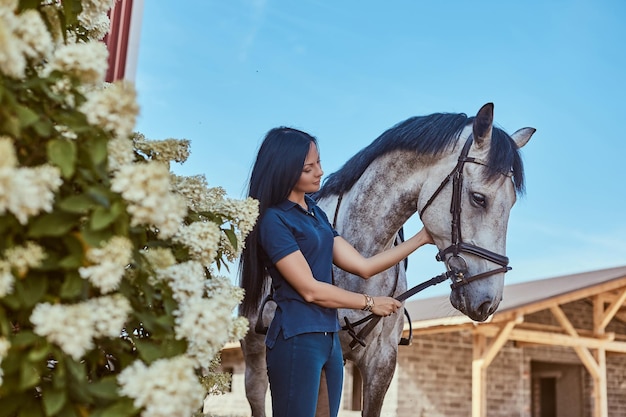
295,269
350,260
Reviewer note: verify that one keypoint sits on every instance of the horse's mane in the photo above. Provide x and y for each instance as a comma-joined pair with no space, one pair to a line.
426,135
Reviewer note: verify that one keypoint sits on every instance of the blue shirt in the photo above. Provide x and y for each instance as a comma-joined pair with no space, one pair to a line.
284,229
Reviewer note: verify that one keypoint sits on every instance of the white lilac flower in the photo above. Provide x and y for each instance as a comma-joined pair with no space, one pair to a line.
12,60
201,239
164,150
73,327
86,61
187,280
194,189
4,350
7,150
63,87
120,152
22,258
204,324
68,326
94,17
108,264
26,192
159,258
243,212
166,388
239,328
7,280
113,108
110,315
34,36
145,186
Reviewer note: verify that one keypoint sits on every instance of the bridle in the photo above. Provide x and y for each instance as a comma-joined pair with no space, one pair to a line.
451,256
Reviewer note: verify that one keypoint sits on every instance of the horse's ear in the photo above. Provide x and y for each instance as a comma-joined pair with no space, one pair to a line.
522,136
483,125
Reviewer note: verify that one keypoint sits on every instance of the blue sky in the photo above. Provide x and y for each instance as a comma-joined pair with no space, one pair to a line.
222,73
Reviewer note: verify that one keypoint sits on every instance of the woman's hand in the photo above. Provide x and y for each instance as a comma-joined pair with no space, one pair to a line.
424,236
385,306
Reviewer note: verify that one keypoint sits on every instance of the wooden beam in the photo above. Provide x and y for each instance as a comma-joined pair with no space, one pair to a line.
499,341
613,285
610,312
583,353
555,339
479,377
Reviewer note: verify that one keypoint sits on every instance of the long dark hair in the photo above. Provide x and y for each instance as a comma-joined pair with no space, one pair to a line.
276,171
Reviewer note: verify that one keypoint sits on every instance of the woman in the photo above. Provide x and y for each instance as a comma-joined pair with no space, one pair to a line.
295,244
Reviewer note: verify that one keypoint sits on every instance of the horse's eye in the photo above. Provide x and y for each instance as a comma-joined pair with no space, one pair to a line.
478,200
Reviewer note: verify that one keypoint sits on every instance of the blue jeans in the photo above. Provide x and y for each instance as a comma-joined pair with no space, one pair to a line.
294,368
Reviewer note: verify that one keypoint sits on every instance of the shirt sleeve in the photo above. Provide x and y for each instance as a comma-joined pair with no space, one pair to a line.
276,237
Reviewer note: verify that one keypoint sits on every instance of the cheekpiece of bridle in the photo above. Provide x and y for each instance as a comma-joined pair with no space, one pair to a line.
455,263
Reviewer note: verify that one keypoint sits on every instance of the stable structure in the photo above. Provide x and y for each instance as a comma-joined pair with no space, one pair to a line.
555,348
541,330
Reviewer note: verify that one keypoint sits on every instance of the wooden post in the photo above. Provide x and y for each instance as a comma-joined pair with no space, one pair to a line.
479,392
600,320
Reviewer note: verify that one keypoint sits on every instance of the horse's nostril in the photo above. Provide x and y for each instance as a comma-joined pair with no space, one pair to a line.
485,309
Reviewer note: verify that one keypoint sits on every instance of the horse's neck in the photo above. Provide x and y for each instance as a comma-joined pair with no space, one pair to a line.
381,201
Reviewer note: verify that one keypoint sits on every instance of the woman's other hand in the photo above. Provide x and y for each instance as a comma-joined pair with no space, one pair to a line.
385,306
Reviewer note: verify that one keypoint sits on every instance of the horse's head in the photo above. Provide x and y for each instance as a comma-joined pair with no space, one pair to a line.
465,206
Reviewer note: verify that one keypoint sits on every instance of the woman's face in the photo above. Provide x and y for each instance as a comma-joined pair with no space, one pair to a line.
311,176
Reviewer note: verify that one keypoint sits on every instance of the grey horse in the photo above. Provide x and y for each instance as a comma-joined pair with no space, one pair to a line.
462,175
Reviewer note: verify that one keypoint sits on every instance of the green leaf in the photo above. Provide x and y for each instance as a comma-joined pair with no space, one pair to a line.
29,377
98,150
72,286
122,408
53,400
76,370
77,204
52,224
10,404
105,389
148,351
62,153
232,237
30,409
96,237
31,289
43,128
38,353
24,338
25,115
11,126
103,217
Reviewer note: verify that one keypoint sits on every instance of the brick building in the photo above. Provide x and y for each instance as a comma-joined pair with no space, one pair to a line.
555,348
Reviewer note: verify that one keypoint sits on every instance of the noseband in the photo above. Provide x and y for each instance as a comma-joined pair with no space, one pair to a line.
451,256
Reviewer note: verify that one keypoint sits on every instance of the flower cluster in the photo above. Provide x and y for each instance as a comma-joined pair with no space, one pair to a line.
24,38
146,188
168,387
108,264
25,192
73,327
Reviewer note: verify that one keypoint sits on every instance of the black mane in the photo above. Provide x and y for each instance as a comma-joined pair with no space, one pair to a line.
427,135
